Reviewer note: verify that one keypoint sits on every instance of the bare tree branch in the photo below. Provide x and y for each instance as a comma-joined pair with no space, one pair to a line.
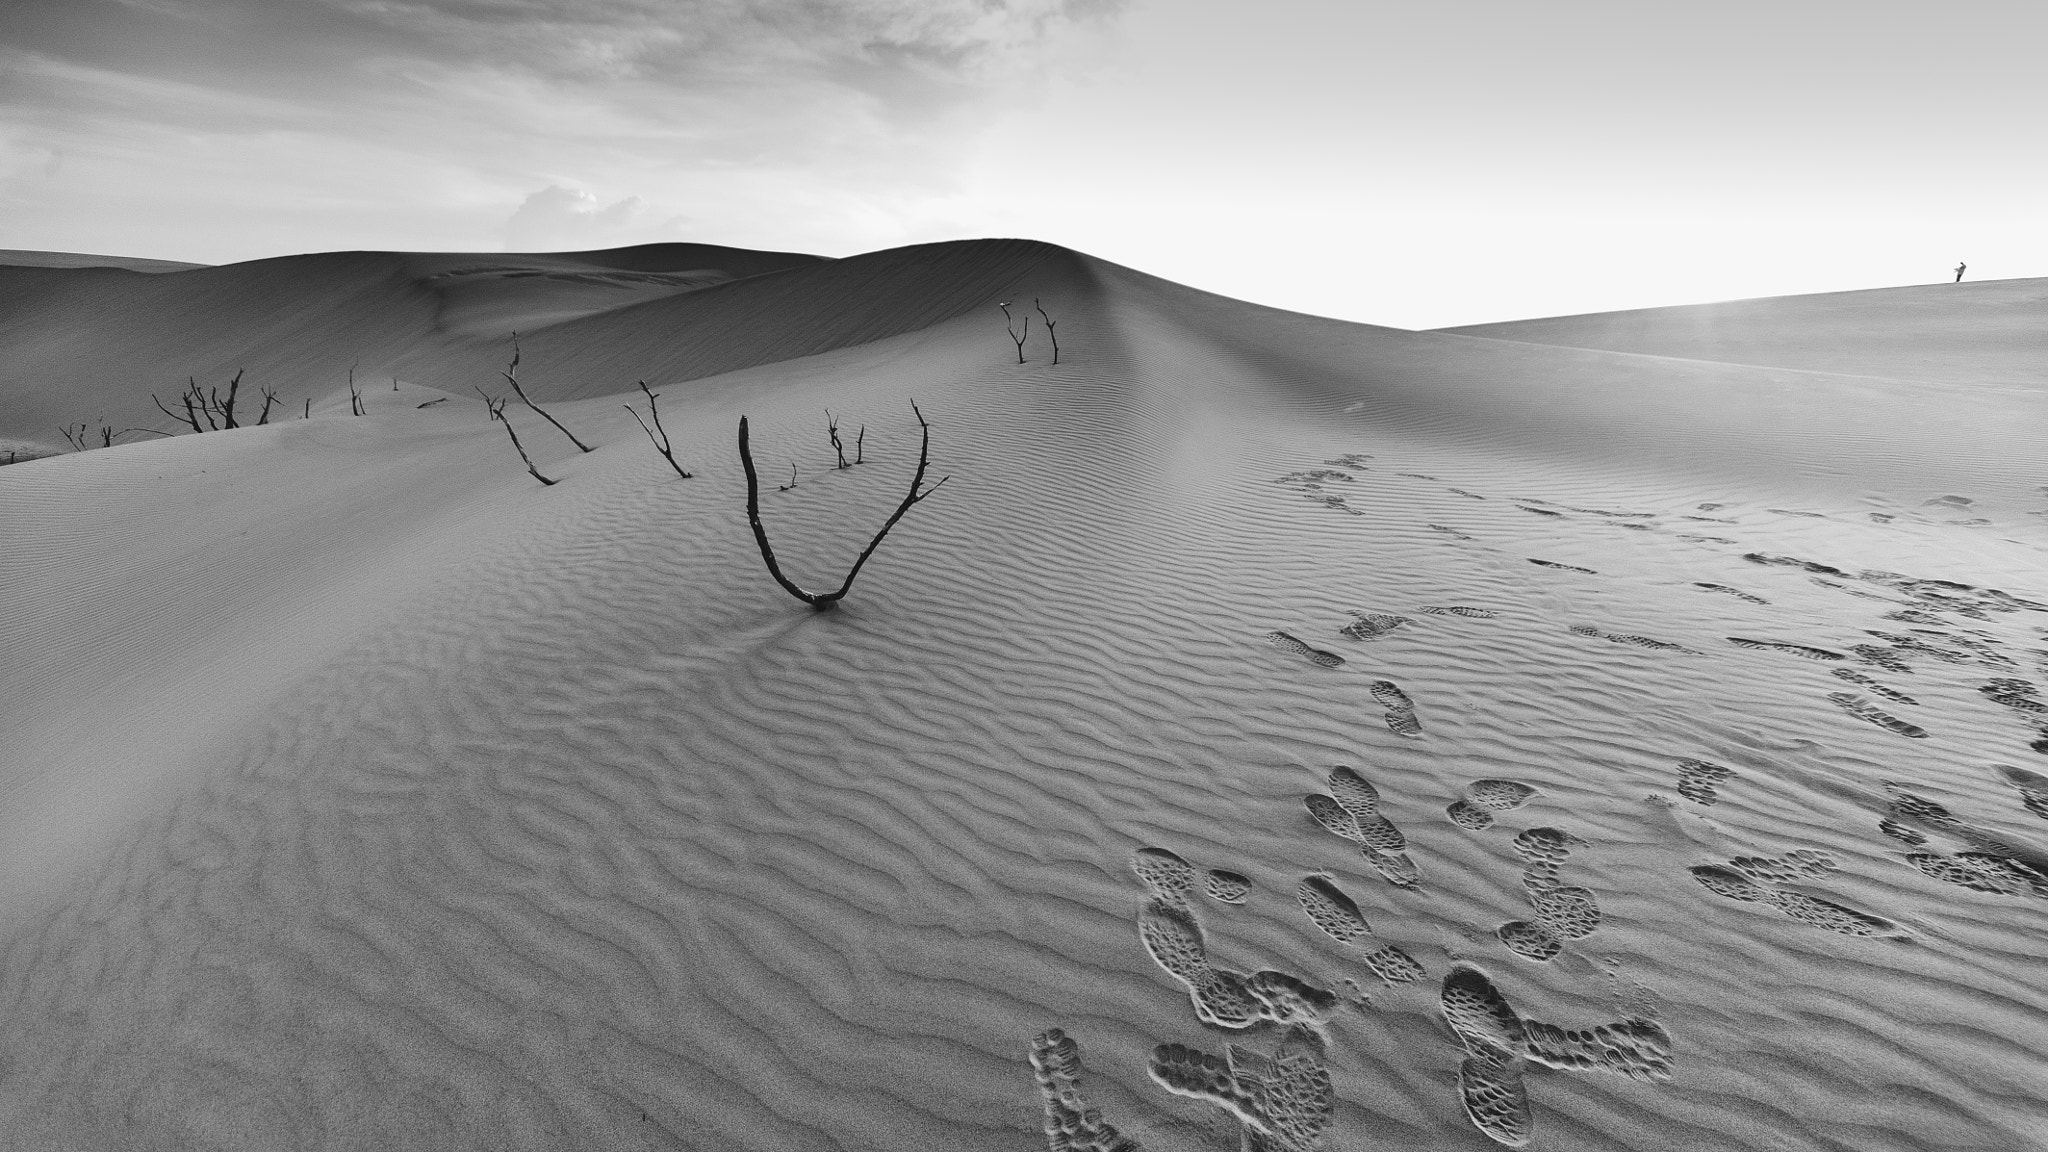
511,375
1011,327
497,409
187,418
822,601
1049,322
661,445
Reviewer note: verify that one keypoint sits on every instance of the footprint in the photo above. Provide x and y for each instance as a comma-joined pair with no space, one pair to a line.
1462,492
1289,643
1352,812
1372,625
1499,1045
1795,649
1070,1125
1989,864
2016,694
1531,941
1453,533
1165,875
1639,1048
1798,864
1285,1101
1400,709
1738,593
1562,913
1796,512
1470,816
1460,610
1331,910
1727,881
1865,682
1626,638
1227,887
1499,795
1496,1097
2033,788
1338,916
1881,656
1540,511
1483,798
1221,997
1983,872
1863,709
1564,567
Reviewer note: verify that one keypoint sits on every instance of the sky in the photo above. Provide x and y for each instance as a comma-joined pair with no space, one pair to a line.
1421,165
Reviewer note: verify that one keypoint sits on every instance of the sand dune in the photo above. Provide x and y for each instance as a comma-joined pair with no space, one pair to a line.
1277,731
1982,332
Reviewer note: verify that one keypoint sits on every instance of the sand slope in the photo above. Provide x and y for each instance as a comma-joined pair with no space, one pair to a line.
368,794
1987,331
92,343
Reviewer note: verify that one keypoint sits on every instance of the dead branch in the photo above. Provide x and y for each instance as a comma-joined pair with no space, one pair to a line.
511,377
434,401
661,445
74,436
355,395
822,601
269,398
792,480
309,409
188,418
497,409
1049,322
1011,327
227,408
832,430
860,451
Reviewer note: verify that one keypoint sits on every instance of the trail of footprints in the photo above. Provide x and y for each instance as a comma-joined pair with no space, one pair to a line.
1283,1100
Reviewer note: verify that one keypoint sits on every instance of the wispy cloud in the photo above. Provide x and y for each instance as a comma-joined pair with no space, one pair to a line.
380,122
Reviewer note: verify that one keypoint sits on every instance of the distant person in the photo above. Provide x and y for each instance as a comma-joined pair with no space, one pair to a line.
1959,272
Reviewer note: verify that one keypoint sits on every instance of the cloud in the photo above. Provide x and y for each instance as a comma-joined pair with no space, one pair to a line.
558,219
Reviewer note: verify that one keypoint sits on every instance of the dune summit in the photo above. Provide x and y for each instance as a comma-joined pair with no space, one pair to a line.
1278,733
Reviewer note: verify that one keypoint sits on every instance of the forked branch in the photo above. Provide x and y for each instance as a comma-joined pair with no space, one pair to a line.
511,375
497,408
661,444
1011,327
1049,323
823,600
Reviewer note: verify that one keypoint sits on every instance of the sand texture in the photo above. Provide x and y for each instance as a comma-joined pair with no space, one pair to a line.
1277,734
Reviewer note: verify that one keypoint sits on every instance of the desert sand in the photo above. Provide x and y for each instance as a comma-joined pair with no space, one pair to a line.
1602,733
